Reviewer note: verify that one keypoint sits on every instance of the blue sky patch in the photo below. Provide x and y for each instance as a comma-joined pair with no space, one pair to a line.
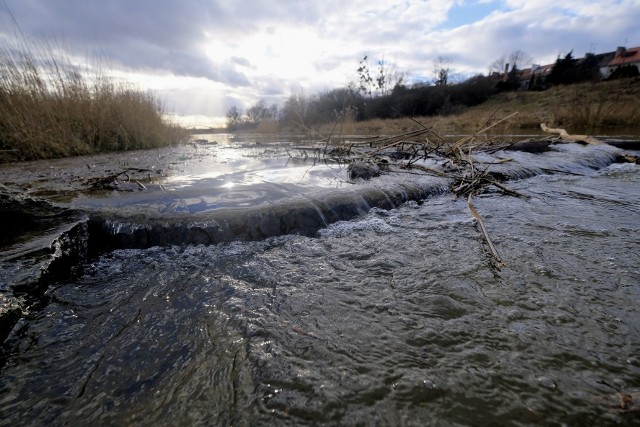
468,13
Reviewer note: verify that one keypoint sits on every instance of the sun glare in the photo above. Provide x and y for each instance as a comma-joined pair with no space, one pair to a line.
287,53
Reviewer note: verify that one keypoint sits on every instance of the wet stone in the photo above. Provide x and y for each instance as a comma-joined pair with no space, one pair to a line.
363,170
547,382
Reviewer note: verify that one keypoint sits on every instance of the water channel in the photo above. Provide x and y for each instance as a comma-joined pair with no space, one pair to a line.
249,286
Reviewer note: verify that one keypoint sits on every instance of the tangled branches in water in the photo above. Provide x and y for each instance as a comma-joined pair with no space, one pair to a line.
423,151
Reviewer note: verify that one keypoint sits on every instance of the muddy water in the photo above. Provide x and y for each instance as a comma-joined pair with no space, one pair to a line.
396,317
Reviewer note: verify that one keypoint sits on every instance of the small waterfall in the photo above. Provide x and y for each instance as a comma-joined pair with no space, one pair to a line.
306,214
564,158
300,215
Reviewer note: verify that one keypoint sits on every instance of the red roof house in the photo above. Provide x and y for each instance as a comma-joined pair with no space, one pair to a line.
622,58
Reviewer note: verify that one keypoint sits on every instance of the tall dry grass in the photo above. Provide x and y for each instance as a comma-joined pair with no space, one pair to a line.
613,104
52,107
581,108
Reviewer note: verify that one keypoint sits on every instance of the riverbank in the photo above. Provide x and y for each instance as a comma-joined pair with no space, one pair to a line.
588,108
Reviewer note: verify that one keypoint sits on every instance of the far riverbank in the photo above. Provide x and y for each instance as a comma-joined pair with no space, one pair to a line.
603,108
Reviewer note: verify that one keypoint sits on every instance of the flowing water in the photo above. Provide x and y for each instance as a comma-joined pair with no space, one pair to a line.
397,316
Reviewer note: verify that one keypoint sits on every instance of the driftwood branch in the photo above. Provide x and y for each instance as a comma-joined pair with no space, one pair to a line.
565,136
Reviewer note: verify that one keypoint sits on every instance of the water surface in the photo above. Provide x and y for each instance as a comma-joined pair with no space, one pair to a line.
397,317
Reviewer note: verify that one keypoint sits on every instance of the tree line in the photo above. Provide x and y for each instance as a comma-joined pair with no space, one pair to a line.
380,91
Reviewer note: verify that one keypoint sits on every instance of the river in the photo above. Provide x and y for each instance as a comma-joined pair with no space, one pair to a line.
388,315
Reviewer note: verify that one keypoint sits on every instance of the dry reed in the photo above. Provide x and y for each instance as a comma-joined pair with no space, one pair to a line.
50,107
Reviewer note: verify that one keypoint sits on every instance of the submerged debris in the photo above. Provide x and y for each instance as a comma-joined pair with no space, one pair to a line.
539,146
129,179
363,170
623,402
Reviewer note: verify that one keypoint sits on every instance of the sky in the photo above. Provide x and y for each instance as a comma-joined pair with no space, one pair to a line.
201,57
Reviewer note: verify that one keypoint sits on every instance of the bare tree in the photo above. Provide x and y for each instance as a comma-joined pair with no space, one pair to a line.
233,117
498,66
386,78
519,59
365,82
515,60
260,112
295,107
442,71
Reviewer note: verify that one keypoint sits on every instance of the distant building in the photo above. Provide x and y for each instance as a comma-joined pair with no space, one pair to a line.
621,57
589,68
603,60
607,63
536,75
540,72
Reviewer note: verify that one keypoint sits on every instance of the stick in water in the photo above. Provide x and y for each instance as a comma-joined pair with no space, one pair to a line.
484,232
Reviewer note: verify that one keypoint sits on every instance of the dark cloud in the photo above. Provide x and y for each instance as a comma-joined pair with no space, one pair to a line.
152,34
241,61
142,34
169,24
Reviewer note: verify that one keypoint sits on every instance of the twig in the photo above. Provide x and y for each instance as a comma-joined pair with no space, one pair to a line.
475,213
428,170
509,191
470,137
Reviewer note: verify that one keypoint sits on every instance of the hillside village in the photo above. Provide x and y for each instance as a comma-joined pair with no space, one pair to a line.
622,62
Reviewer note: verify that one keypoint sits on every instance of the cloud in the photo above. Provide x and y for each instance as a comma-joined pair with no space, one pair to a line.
244,62
542,29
